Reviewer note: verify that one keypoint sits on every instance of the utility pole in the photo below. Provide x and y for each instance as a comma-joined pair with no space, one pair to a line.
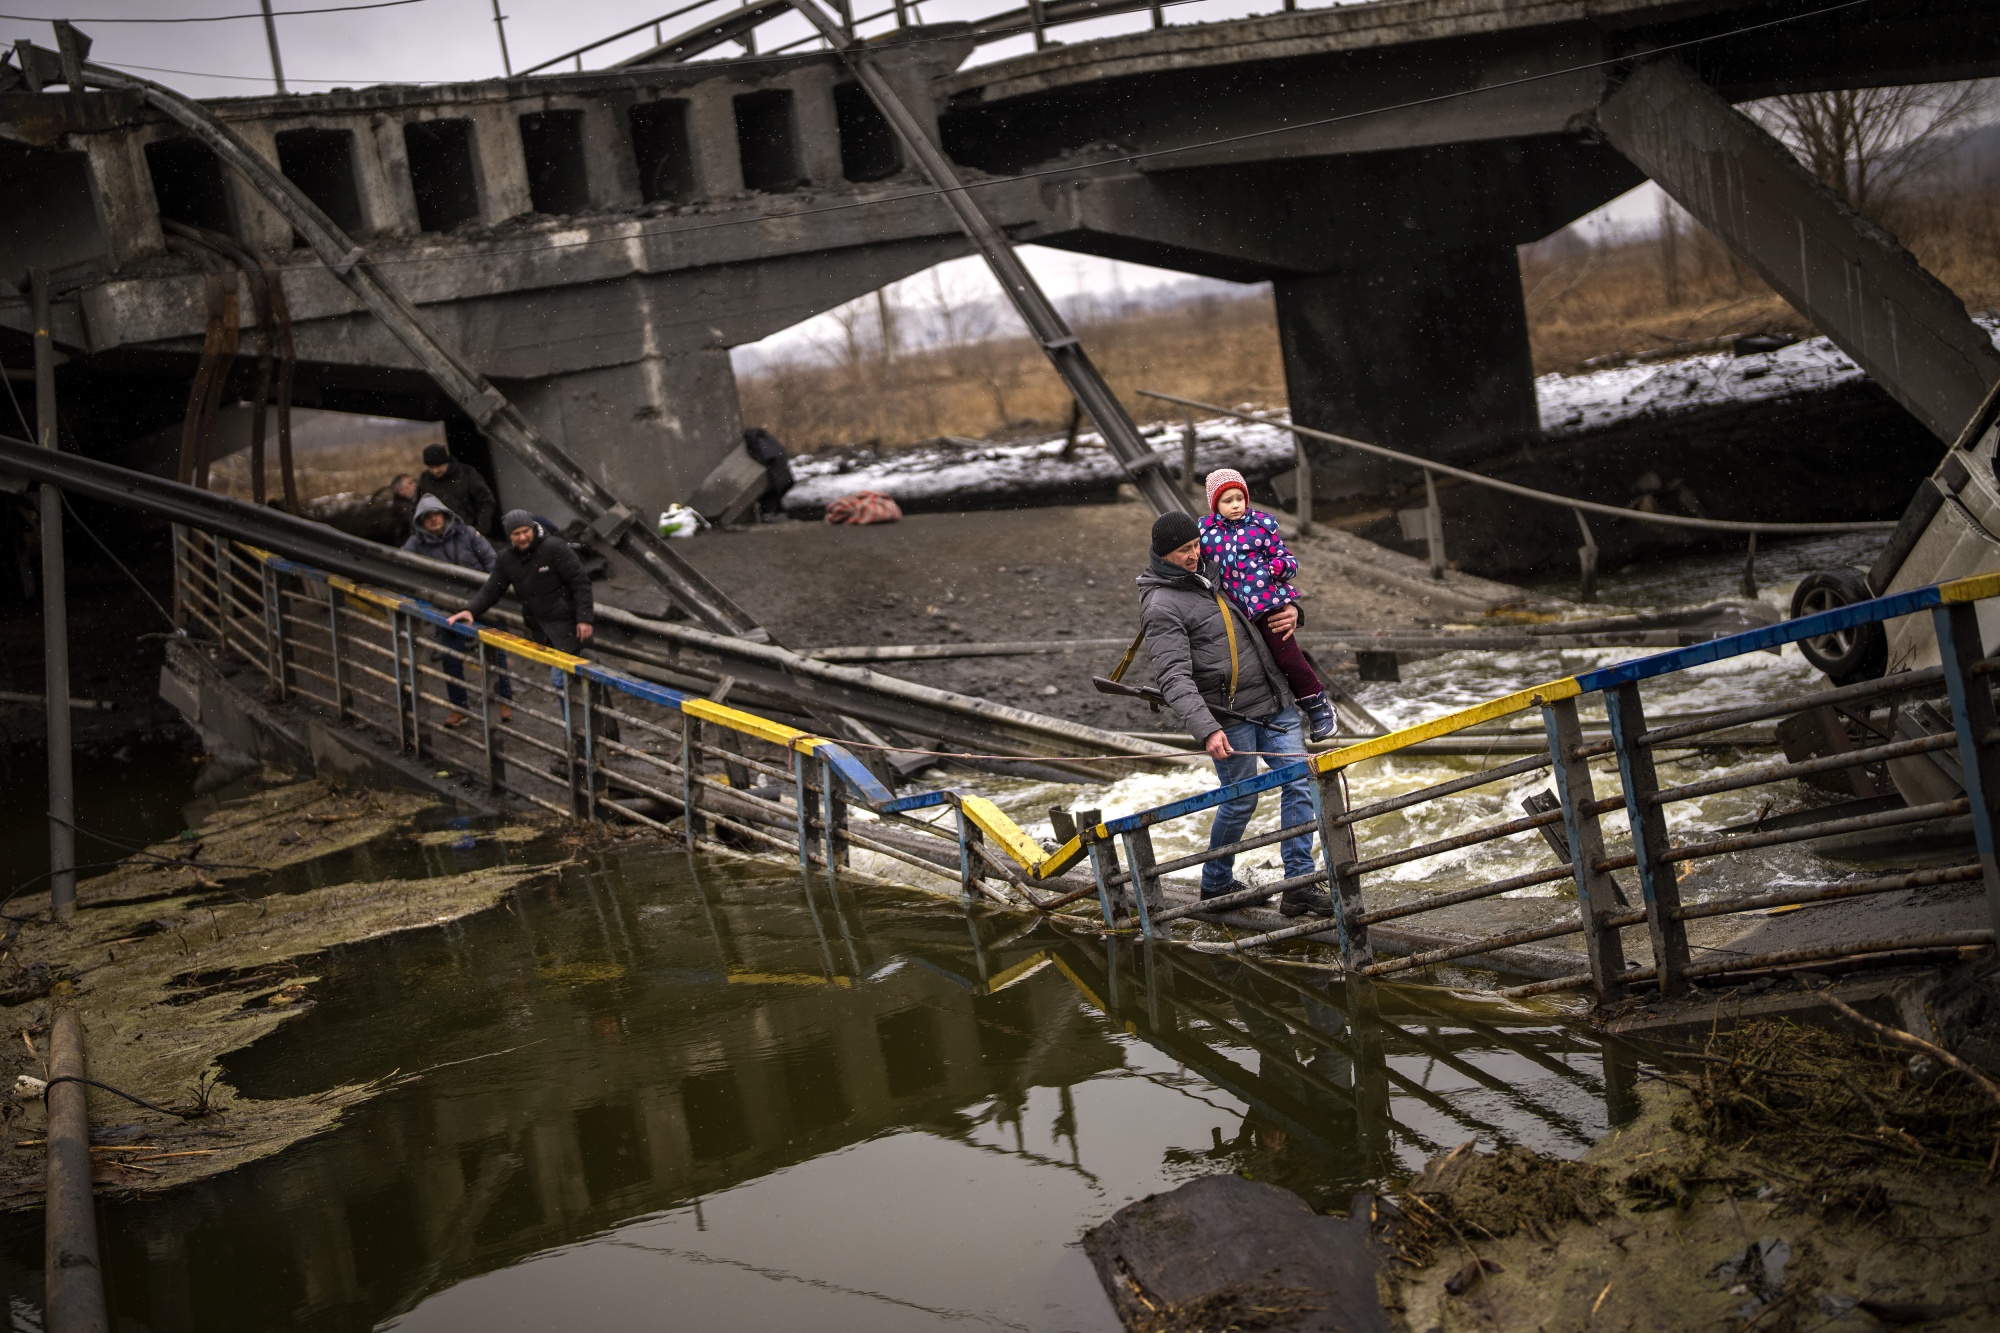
55,626
271,37
500,22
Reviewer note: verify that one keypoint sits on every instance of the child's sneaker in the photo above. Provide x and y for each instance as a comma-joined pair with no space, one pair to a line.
1319,713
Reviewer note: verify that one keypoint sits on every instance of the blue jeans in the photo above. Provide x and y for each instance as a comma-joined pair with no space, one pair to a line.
452,660
1282,740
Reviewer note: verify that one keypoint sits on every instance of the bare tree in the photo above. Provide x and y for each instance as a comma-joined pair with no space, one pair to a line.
1870,145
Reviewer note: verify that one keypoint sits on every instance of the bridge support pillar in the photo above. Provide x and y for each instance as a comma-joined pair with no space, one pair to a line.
1428,354
1838,269
649,430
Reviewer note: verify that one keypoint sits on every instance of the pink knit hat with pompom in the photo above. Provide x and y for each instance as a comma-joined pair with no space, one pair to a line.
1221,480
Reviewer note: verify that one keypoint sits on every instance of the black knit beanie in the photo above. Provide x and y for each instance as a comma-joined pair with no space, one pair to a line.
435,455
1172,531
516,518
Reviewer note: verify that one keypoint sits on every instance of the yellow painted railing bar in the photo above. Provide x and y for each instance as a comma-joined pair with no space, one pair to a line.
1972,588
516,646
1061,859
991,820
1000,981
1505,706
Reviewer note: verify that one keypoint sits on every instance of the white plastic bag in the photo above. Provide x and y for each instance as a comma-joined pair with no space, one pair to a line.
680,521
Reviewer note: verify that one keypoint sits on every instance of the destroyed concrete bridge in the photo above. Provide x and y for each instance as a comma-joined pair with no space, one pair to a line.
596,242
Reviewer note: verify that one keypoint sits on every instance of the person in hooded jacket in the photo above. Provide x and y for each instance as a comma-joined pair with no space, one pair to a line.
1212,664
461,488
438,534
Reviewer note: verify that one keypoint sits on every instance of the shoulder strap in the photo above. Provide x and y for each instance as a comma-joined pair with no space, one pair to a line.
1125,662
1229,628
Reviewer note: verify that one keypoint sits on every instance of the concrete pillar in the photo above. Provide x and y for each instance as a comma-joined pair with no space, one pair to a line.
388,195
711,126
121,189
1842,272
256,221
610,170
498,168
816,125
650,430
385,208
1428,356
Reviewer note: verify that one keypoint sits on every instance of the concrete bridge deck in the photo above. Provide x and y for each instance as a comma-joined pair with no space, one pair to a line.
596,242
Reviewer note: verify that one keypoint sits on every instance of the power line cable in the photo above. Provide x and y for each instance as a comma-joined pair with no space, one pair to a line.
215,18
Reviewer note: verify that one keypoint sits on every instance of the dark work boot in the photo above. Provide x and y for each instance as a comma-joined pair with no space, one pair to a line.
1320,721
1297,902
1234,886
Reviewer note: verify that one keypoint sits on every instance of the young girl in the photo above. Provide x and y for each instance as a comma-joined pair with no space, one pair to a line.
1256,574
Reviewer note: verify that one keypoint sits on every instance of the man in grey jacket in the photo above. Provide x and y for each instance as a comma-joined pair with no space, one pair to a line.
1213,667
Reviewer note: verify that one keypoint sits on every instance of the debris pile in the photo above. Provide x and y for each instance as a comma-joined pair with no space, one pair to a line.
1785,1177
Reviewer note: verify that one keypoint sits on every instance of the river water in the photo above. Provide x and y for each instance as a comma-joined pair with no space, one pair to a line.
673,1091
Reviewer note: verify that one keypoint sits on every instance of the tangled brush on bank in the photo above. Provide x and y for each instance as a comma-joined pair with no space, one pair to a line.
1837,1101
1470,1195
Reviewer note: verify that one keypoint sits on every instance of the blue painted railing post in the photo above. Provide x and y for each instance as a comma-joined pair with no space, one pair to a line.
396,667
588,699
691,820
1139,859
1960,649
968,861
333,653
1338,852
832,819
1596,892
1657,878
803,815
485,669
569,736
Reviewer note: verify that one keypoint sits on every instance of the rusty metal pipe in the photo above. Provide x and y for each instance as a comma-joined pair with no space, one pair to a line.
74,1280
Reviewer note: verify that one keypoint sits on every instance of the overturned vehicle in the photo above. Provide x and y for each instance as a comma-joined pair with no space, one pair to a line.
1950,530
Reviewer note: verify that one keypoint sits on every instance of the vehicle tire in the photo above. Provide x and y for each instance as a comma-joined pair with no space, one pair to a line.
1848,655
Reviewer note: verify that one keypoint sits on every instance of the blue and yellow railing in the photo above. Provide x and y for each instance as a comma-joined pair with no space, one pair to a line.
579,729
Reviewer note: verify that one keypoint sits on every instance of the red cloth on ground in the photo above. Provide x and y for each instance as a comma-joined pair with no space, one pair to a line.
864,507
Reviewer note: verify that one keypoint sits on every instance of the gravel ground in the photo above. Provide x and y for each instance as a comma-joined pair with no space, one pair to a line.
1046,574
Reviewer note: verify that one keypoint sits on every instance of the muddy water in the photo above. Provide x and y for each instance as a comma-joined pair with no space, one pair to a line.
678,1093
673,1092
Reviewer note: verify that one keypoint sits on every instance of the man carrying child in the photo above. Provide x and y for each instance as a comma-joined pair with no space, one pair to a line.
1216,670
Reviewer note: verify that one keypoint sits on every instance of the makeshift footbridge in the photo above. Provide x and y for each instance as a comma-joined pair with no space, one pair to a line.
579,738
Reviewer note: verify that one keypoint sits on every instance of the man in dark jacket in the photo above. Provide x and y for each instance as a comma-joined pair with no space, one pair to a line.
544,573
462,489
439,534
553,589
1210,660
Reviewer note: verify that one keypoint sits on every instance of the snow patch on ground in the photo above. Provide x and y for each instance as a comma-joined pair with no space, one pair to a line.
1570,405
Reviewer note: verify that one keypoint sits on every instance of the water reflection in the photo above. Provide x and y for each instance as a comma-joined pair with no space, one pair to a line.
665,1092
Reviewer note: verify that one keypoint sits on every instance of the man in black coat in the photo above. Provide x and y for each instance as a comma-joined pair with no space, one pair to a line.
546,576
459,488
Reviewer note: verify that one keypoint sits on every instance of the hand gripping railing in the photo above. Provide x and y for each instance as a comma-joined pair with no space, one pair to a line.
580,739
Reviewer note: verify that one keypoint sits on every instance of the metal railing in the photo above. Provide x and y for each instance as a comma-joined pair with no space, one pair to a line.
578,739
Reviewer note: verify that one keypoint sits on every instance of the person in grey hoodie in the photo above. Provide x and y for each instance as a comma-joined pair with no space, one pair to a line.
1215,670
439,534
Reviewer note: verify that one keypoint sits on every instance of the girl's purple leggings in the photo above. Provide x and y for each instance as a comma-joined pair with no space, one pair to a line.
1291,660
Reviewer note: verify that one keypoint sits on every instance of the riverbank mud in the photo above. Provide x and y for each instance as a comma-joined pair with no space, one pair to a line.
172,965
1795,1178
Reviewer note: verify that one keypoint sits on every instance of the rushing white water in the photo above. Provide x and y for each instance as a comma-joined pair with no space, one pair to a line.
1441,684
